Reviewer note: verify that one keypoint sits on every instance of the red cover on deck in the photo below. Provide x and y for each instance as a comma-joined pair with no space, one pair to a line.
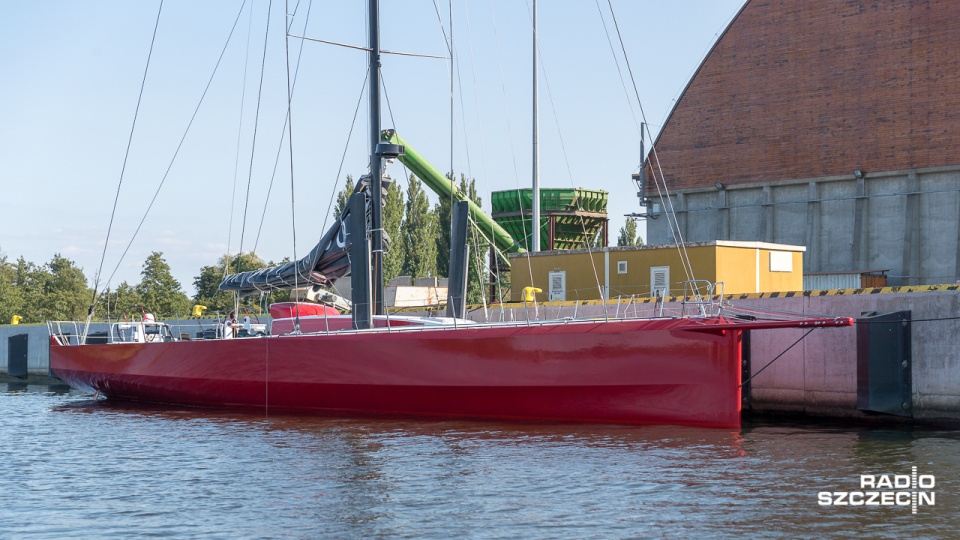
284,310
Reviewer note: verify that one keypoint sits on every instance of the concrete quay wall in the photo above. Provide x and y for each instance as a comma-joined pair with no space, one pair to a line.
819,375
38,348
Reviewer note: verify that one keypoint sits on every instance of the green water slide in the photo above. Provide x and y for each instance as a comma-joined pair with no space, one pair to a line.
442,186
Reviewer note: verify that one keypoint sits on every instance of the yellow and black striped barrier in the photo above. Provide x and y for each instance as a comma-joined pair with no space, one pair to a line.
740,296
846,292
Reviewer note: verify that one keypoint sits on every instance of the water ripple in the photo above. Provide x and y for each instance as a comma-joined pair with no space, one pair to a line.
74,467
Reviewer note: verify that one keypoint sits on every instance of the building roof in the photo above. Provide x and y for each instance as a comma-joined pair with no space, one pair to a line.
819,88
712,243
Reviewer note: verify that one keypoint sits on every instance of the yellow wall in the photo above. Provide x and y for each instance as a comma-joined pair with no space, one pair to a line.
736,266
581,281
639,262
781,281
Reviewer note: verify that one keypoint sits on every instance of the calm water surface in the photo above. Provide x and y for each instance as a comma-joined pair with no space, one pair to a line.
74,467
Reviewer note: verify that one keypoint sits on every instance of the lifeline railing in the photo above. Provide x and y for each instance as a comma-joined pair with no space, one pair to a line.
55,328
702,294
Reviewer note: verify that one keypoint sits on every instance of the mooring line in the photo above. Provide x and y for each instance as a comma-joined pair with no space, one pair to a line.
777,358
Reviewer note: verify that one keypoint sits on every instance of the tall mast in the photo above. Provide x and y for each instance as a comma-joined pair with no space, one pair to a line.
376,184
535,240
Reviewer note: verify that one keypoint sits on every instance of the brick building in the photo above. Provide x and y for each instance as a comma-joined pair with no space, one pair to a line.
833,124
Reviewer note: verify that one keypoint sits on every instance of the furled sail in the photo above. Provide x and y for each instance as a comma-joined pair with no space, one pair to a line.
326,262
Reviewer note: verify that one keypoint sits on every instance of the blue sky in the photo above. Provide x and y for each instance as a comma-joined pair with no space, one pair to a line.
70,74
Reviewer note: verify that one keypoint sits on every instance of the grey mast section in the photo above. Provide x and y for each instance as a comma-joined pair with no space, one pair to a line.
459,257
376,170
360,264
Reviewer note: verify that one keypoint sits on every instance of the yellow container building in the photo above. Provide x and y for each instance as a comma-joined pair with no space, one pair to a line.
611,272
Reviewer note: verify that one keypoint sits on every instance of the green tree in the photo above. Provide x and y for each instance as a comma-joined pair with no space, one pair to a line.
208,282
392,223
30,280
160,292
343,197
418,233
207,285
11,298
55,291
65,292
121,302
628,234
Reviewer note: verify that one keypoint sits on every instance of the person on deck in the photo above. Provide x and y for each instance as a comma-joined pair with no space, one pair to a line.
228,326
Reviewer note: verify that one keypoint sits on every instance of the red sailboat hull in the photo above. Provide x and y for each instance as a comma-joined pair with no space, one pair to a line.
658,371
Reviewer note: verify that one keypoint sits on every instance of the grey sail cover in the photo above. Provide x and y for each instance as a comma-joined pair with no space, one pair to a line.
328,261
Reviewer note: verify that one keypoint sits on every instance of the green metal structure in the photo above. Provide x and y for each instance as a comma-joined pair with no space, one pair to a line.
569,218
443,186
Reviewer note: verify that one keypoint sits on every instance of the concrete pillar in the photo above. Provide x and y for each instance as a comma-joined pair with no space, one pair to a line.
681,211
723,216
860,242
910,269
956,254
768,224
812,264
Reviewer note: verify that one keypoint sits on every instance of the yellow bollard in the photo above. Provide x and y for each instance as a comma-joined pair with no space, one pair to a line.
529,294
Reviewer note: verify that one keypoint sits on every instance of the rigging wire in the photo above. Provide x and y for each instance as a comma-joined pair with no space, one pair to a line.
406,172
463,113
453,179
183,138
566,160
256,126
454,71
616,62
123,169
448,43
346,146
236,163
293,206
516,172
474,238
675,225
367,49
750,378
483,154
283,131
466,133
292,16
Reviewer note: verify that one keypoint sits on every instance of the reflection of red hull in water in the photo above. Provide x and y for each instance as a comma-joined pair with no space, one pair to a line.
640,371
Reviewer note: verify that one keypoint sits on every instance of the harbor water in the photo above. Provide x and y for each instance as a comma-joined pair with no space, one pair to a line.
75,467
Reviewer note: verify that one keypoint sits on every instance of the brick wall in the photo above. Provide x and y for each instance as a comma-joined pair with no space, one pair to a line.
813,88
